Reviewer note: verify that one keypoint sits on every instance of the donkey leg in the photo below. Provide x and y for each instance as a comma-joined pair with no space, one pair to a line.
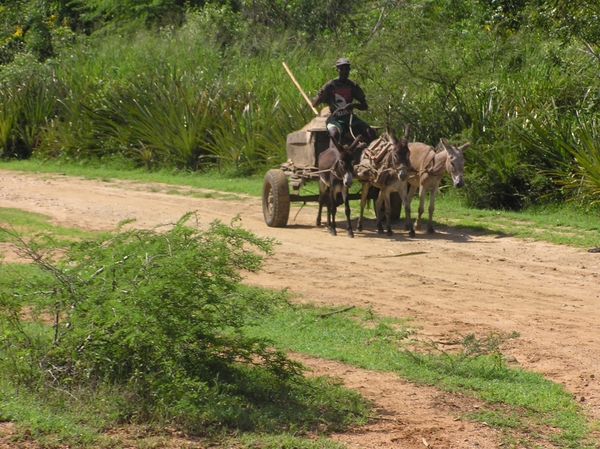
331,211
319,212
422,195
323,194
331,221
388,212
407,219
378,212
347,210
332,226
363,201
430,229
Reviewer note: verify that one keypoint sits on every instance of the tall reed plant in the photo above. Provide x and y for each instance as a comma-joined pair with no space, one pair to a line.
8,119
28,101
161,115
571,146
37,103
178,98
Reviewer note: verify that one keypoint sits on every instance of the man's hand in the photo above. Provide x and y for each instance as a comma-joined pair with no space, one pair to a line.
317,100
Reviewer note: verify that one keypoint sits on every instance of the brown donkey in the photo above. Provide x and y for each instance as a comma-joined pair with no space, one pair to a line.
335,177
388,173
429,169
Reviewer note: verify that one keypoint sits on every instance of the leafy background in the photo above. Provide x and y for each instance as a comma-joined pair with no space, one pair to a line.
194,85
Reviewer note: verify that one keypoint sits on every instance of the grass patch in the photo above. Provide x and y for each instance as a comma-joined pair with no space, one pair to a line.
49,421
108,171
26,223
271,414
282,441
560,224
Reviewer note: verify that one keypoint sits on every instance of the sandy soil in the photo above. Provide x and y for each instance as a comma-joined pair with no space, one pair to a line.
451,283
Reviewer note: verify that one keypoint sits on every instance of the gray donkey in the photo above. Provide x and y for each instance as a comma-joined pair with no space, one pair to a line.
335,177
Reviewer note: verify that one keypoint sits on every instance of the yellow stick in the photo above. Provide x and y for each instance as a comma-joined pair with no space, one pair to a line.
299,88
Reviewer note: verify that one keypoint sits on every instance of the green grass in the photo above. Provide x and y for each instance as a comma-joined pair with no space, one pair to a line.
47,423
16,221
82,418
108,170
281,442
561,224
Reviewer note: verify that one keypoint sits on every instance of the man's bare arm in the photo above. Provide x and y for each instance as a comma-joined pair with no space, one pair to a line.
319,98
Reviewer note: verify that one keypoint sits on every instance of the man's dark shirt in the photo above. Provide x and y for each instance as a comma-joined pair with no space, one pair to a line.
339,93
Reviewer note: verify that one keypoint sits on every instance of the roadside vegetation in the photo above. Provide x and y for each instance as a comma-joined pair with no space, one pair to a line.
199,85
145,328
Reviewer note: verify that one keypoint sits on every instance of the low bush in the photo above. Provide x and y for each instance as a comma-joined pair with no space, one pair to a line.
155,315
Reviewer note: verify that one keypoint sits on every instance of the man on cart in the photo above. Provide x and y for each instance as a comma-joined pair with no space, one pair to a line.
343,95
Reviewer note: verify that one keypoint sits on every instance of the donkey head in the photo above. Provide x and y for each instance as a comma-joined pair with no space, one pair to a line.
345,162
400,153
455,162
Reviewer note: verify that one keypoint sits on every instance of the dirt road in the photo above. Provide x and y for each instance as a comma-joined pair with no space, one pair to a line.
452,283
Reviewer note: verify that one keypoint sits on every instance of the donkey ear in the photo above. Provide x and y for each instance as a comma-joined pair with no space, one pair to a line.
464,147
390,133
357,140
406,130
449,148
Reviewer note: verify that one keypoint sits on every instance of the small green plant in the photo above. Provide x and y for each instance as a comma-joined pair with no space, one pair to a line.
471,347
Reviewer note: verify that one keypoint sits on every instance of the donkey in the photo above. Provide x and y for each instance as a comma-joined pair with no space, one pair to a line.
335,177
392,176
429,169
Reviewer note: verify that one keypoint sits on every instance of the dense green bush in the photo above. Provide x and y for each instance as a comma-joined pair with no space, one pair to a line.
157,315
27,106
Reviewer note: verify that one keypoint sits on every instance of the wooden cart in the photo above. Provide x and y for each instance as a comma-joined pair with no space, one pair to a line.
302,148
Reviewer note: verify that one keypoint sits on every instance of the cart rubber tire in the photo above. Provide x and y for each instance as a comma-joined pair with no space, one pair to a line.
276,199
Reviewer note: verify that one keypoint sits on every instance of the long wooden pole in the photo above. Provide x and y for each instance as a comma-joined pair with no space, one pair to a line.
299,88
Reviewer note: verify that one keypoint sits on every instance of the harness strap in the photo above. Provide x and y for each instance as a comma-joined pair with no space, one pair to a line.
331,170
334,171
350,126
429,167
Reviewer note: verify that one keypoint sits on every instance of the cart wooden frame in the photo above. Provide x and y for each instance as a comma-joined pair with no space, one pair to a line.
302,149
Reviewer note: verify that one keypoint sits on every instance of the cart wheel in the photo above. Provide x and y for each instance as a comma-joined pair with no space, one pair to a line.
276,199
